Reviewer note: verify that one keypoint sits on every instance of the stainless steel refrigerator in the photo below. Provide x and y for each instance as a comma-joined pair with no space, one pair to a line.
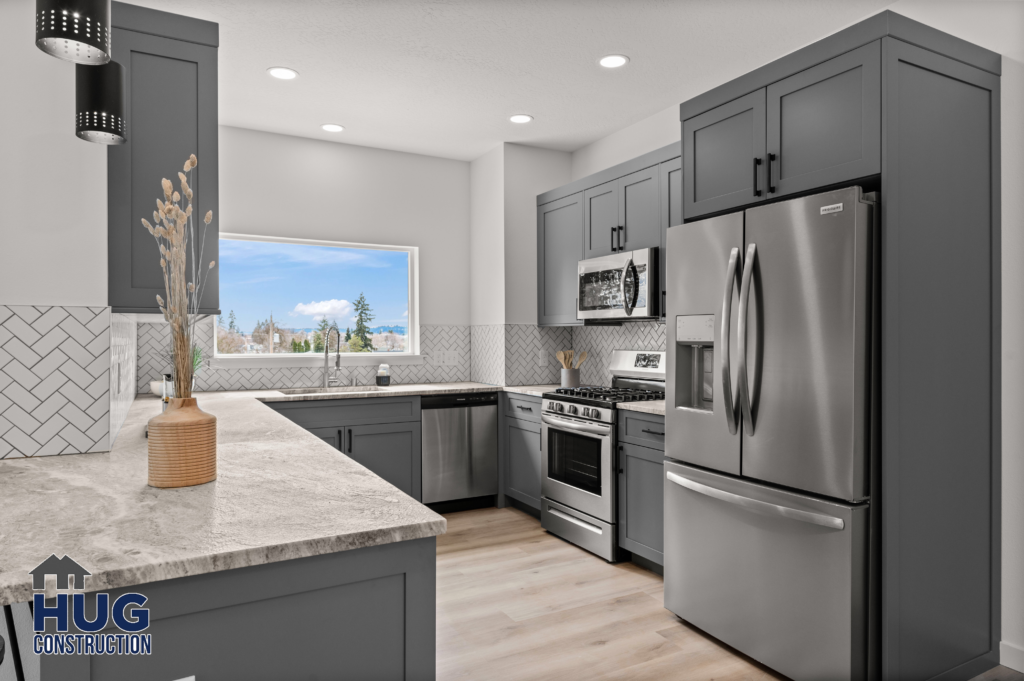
771,381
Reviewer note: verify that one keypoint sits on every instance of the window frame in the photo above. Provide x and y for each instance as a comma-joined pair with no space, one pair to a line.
412,356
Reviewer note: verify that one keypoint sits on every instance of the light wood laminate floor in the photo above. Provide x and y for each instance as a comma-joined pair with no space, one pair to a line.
516,603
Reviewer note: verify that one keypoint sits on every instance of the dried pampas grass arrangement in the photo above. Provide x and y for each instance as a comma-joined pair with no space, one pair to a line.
176,234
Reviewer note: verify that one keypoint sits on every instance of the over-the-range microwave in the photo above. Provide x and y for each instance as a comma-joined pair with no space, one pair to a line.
619,286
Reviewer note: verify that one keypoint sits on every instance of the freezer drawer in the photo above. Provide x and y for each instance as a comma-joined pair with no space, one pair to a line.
780,576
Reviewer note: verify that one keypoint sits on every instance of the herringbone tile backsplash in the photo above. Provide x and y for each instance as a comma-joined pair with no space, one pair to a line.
54,380
153,363
599,341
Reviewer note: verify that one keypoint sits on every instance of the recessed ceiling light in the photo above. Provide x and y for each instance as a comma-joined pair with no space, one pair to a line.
332,127
521,118
613,61
283,73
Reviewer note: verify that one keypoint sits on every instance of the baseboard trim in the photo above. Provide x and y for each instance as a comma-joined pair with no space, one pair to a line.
1012,656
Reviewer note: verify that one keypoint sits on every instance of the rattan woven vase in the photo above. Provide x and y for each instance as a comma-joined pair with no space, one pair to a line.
182,445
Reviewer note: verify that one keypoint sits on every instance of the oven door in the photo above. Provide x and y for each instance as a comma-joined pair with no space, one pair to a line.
577,464
618,286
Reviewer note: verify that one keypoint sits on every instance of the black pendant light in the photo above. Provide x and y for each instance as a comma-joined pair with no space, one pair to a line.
99,103
74,30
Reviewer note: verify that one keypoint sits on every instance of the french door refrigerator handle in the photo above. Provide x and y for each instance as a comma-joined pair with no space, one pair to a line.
756,505
626,305
741,333
728,402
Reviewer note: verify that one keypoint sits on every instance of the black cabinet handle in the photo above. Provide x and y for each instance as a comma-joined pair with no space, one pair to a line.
613,239
519,406
622,233
771,187
757,162
349,440
652,432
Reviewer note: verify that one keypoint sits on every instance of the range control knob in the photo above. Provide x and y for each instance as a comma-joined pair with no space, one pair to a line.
573,409
595,414
559,407
586,411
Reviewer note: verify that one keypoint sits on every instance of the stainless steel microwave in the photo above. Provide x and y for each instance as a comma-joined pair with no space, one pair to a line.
619,286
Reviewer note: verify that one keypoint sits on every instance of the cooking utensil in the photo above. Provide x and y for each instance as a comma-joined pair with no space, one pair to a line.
583,358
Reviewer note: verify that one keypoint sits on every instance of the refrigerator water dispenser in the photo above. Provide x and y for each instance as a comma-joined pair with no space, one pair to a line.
695,361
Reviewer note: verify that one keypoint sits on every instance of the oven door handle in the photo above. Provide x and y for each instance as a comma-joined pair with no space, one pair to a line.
593,429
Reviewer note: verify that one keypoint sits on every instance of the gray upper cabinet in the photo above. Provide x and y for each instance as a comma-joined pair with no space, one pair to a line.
639,209
723,156
671,212
559,249
825,123
601,220
171,104
623,208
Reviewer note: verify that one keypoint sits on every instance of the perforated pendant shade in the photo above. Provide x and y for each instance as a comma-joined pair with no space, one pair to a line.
99,103
74,30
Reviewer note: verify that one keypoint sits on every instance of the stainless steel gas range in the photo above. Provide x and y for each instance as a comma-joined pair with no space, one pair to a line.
579,454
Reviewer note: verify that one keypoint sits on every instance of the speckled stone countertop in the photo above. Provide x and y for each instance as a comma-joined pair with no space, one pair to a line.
652,407
362,392
282,493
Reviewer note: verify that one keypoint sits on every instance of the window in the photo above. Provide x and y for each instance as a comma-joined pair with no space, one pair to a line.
279,297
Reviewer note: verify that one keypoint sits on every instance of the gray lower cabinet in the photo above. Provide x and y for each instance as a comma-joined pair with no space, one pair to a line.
641,496
363,614
391,450
825,123
382,434
522,451
559,249
170,66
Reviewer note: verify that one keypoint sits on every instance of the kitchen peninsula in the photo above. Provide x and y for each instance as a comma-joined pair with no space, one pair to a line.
294,548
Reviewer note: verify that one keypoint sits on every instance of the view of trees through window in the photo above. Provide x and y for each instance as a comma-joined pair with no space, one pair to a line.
263,286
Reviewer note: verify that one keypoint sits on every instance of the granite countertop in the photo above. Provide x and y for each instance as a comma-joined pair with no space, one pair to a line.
362,392
652,407
282,493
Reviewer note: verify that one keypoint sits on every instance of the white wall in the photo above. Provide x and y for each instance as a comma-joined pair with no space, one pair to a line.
53,186
998,26
486,238
276,185
528,171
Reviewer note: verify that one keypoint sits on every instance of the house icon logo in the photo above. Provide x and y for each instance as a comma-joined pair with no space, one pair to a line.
63,569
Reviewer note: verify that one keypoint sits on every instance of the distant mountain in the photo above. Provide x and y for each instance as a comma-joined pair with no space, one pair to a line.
399,330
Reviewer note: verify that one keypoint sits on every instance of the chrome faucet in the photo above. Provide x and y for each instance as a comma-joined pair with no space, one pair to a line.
328,381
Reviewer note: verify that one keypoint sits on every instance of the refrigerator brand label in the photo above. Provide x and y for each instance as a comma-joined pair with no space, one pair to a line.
834,208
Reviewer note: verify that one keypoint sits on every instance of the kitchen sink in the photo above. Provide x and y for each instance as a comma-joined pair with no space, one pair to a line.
336,389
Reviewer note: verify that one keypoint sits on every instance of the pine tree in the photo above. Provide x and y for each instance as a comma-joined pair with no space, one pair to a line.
348,334
364,315
232,322
305,345
321,335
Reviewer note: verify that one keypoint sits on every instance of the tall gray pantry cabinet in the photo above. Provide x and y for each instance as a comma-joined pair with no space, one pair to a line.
899,108
170,66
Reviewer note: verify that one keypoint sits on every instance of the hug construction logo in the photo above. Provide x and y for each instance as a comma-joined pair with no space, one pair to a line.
69,607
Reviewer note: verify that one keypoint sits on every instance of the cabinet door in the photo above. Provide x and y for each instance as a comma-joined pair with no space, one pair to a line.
641,501
601,220
723,154
639,209
171,103
522,456
559,250
331,436
391,450
671,212
825,123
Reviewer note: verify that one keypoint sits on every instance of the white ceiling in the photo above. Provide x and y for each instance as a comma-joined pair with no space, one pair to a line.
442,77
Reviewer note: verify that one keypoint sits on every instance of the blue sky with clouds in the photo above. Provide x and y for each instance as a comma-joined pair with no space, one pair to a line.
301,284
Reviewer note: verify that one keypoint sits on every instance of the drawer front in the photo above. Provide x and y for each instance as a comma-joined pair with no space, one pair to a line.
526,407
646,430
779,576
353,412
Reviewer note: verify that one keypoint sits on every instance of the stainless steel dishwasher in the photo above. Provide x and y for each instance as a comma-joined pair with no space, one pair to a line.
460,446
